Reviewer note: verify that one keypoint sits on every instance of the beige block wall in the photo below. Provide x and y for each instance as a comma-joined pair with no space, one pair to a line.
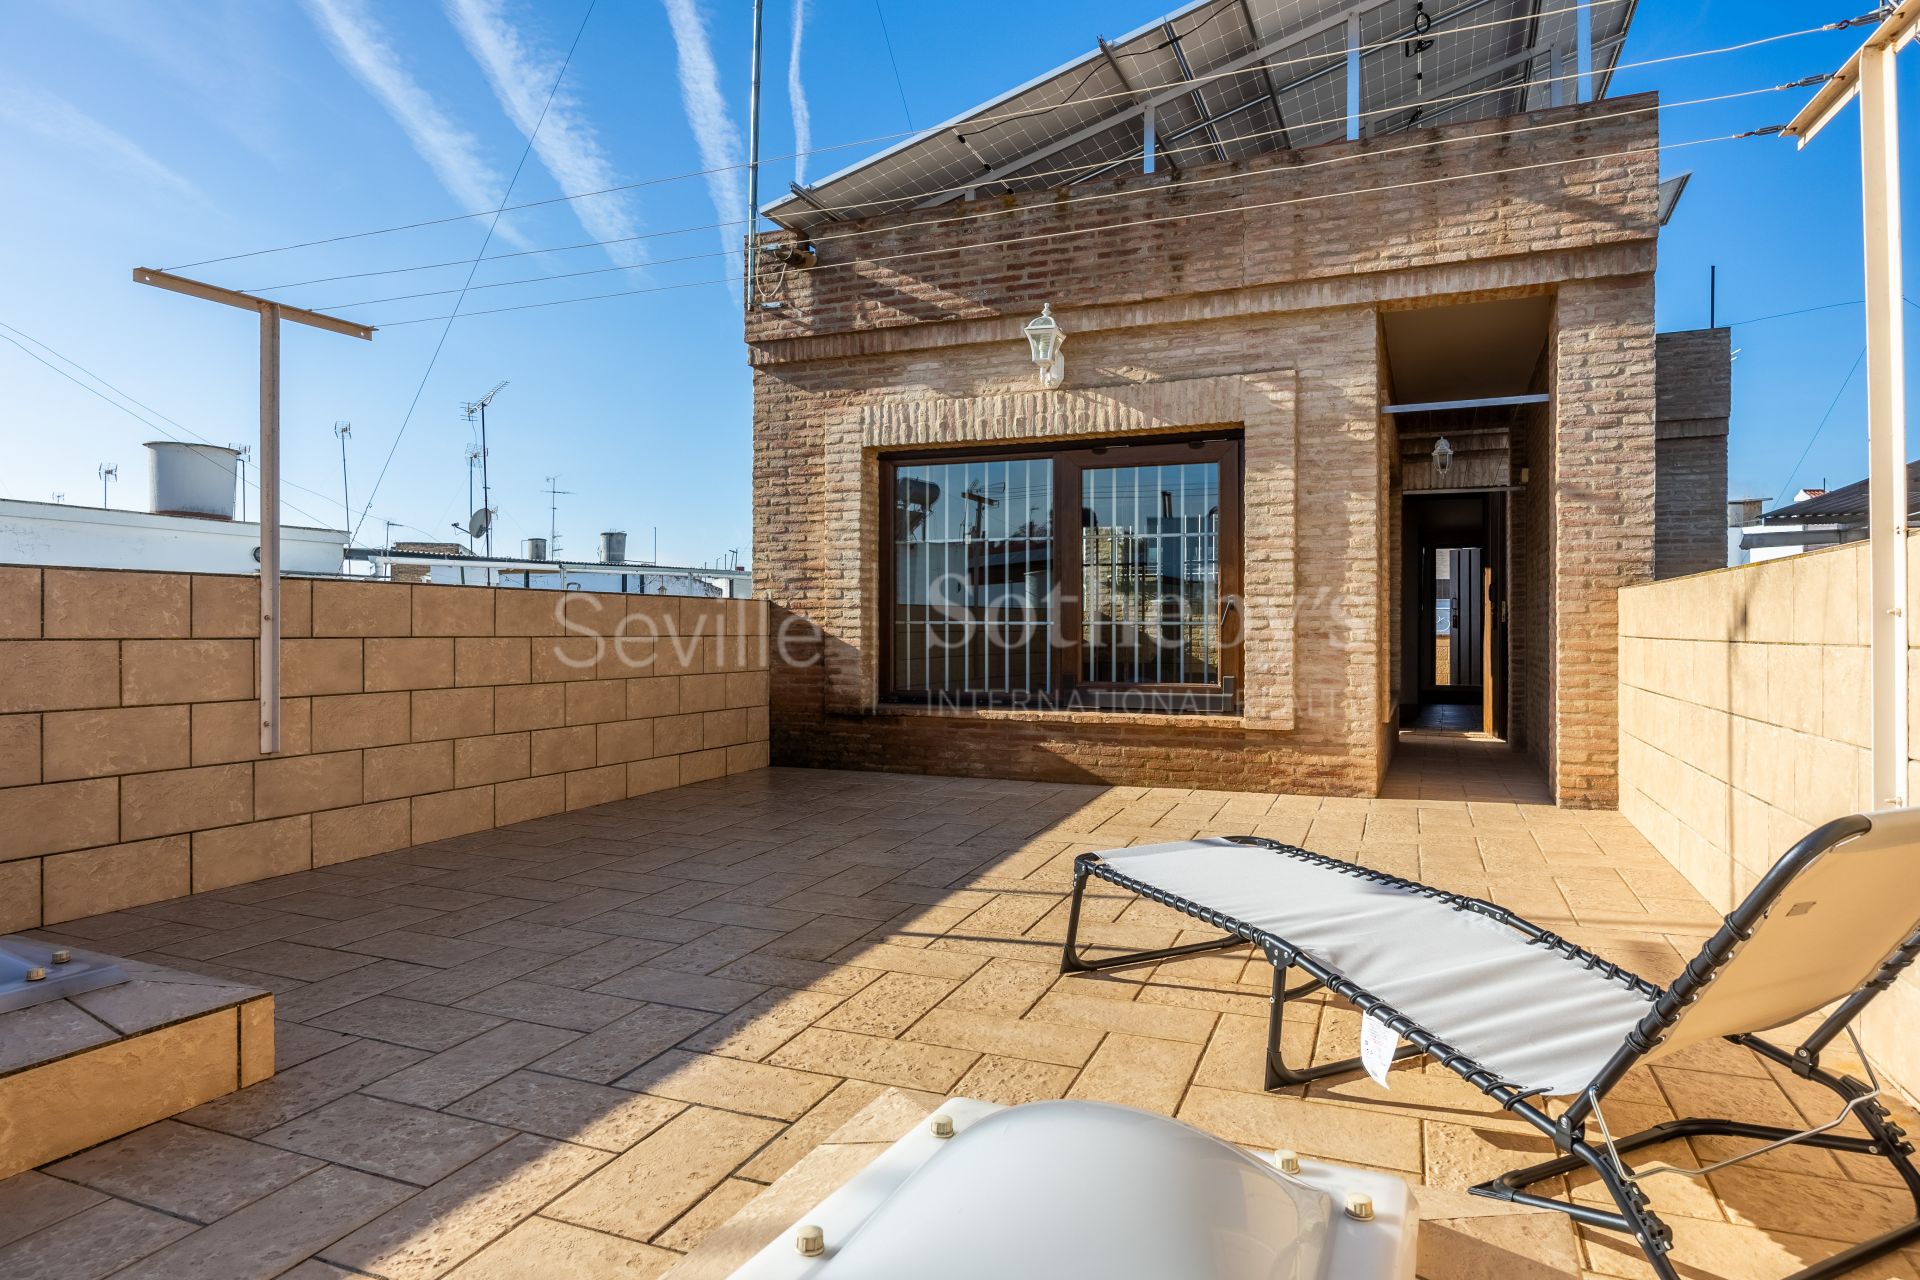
1745,722
129,726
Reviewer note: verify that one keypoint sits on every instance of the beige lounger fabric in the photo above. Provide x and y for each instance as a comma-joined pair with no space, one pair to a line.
1525,1012
1832,929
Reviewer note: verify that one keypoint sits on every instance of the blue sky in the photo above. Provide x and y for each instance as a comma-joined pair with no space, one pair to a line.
161,134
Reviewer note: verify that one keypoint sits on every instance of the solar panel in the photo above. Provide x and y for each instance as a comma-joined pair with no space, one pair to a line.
1226,80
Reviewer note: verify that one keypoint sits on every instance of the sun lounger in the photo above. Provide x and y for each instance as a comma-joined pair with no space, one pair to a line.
1525,1015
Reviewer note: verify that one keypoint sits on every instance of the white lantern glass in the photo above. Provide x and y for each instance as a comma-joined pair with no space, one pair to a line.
1044,335
1044,339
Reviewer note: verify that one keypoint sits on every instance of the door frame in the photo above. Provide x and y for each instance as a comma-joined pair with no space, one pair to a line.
1490,592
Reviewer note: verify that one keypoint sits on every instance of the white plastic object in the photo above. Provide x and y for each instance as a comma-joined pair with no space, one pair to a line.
809,1241
1071,1188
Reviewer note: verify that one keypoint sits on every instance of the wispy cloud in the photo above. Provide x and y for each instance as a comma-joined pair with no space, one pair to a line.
221,59
522,75
713,127
58,121
363,46
797,97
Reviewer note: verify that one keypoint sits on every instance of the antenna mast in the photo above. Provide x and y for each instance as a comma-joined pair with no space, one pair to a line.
344,430
469,411
245,451
751,281
553,516
473,464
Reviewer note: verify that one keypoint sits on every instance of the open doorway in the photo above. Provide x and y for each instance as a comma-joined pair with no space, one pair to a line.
1464,396
1453,579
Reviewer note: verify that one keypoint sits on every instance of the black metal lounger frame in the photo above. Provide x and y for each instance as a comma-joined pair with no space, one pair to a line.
1634,1215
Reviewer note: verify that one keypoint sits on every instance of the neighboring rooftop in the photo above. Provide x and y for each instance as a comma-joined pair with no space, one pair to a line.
449,563
1845,506
63,533
1229,79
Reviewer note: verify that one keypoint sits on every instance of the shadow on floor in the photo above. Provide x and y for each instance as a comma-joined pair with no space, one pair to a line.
576,1046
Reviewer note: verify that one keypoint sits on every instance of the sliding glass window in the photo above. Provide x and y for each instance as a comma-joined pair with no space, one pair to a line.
1093,577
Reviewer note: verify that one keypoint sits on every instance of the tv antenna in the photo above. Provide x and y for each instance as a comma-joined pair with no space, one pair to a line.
244,451
108,473
344,431
478,409
553,516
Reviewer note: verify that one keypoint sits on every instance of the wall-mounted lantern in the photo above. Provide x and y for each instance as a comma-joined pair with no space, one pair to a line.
1045,337
1442,456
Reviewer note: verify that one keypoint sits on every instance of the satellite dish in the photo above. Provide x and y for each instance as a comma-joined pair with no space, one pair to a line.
478,522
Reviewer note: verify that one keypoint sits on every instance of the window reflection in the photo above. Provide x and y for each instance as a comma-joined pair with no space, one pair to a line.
1150,574
972,554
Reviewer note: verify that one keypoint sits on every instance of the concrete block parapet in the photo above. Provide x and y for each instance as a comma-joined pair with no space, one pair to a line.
130,768
1745,722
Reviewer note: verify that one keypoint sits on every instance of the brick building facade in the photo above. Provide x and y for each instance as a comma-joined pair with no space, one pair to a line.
1694,402
1250,301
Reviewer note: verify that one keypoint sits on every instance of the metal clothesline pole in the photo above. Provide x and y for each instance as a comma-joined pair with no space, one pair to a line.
271,314
1870,75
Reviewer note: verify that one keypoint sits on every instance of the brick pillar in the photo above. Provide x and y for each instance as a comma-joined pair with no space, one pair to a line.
1690,494
1603,518
788,565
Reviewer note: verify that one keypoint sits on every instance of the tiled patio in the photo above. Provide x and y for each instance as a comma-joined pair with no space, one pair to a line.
575,1047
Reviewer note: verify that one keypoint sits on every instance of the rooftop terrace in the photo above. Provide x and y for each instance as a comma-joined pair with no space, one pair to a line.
577,1046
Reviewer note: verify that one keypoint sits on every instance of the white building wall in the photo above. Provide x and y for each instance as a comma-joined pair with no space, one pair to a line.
637,582
51,533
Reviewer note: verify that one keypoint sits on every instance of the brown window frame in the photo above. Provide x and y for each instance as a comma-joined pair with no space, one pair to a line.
1072,691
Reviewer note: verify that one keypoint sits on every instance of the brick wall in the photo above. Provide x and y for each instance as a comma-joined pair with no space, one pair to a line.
1312,584
1303,221
1690,493
1745,722
922,349
1602,486
1530,595
129,761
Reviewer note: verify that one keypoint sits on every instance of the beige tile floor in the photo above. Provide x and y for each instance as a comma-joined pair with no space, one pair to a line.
577,1047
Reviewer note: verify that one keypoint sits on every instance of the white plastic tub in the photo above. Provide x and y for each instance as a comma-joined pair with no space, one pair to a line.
1058,1189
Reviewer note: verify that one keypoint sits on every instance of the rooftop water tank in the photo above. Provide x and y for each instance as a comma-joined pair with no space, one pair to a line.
613,547
535,549
191,479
